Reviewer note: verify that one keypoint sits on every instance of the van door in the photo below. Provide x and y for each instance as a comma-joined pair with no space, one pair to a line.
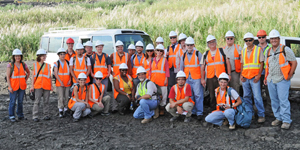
294,44
54,44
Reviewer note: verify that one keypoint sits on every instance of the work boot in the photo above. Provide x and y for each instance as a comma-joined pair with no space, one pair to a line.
146,120
275,122
156,113
232,127
261,119
187,119
61,114
199,117
173,119
161,110
285,125
225,123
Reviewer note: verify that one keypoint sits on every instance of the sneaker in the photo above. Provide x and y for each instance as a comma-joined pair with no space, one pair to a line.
146,120
173,119
75,120
105,114
13,120
22,118
61,114
276,122
199,117
261,119
36,119
225,123
285,126
47,118
232,127
187,119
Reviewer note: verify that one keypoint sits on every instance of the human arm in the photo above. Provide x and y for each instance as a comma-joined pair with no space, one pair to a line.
8,79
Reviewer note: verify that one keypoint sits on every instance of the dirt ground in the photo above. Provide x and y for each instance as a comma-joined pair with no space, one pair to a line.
125,132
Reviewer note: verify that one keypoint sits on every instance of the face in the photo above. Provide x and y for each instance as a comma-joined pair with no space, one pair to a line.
182,42
99,48
159,52
223,84
88,49
43,58
139,49
150,52
173,39
181,81
120,49
142,76
131,51
230,40
262,39
17,58
212,44
123,72
70,45
275,41
249,42
190,47
80,52
82,82
62,56
157,43
98,80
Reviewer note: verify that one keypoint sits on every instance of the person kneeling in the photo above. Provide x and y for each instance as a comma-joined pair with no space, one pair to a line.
79,102
180,99
146,96
226,104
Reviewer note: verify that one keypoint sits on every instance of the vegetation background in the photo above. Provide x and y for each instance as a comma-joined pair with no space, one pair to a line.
22,26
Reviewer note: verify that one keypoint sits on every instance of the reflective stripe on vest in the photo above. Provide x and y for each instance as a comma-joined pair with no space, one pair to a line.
158,72
142,88
192,67
251,65
136,64
100,66
64,75
43,80
17,79
181,95
214,66
118,62
172,56
82,96
79,68
223,100
121,84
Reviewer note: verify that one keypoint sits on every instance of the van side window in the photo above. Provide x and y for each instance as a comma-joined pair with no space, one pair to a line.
294,45
65,46
54,44
45,43
107,41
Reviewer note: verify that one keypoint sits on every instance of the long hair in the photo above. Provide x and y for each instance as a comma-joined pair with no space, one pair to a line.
153,55
38,58
14,60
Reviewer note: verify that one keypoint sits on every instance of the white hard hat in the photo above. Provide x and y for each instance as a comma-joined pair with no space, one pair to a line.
139,43
98,74
159,39
17,52
160,46
189,40
172,33
81,76
123,66
41,52
274,34
223,76
229,34
119,43
209,38
149,47
248,35
180,74
79,46
131,46
141,70
61,50
88,43
98,43
182,36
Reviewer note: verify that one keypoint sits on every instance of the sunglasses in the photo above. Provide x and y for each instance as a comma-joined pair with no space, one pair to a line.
98,78
123,70
189,45
160,50
149,51
174,37
229,39
248,40
180,79
261,37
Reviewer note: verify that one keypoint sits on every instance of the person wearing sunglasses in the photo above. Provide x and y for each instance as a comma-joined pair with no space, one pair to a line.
159,74
253,64
131,50
137,61
182,49
190,64
233,51
120,57
149,58
123,89
160,40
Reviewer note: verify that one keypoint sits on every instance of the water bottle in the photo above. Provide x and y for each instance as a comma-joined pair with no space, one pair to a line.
131,106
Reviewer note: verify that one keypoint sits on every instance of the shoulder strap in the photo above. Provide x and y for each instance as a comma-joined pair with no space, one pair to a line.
12,68
224,58
197,53
283,51
147,83
39,70
67,62
205,55
229,94
184,56
98,88
74,58
58,64
134,55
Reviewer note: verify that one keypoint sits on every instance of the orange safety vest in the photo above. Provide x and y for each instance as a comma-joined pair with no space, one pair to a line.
192,67
172,56
44,79
118,61
17,79
146,65
181,95
215,67
284,64
95,93
80,68
63,74
251,65
68,57
223,100
136,64
81,96
237,61
158,72
100,66
121,84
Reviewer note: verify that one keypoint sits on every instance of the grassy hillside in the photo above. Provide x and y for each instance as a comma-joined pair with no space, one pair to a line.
22,26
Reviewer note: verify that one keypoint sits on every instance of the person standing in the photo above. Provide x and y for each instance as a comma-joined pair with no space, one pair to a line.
160,40
131,50
120,57
88,46
17,74
149,58
172,50
281,64
70,52
137,60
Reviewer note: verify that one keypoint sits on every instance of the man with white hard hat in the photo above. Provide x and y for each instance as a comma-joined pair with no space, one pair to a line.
190,64
213,63
233,52
120,57
160,40
252,66
131,50
180,99
88,49
137,60
281,64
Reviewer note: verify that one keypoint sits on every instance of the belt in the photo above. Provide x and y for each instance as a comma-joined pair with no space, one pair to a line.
232,70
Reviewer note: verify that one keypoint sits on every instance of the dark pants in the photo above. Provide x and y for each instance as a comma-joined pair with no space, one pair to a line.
136,81
266,100
123,101
212,84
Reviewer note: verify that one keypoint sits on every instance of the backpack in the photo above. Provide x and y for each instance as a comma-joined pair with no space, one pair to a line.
224,58
243,117
71,94
74,58
12,69
58,64
158,93
197,54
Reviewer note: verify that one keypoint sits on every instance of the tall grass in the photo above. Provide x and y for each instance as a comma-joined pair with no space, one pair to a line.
22,27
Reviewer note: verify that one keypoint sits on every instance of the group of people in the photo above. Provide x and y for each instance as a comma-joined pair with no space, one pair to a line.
171,79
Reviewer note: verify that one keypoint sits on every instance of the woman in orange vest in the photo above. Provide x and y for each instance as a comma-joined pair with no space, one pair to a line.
159,74
123,89
17,74
41,85
225,108
79,101
63,81
149,58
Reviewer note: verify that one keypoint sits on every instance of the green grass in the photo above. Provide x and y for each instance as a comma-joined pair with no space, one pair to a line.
22,26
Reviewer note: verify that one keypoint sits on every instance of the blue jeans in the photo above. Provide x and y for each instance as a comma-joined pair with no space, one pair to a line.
146,109
11,108
217,117
197,95
249,88
279,94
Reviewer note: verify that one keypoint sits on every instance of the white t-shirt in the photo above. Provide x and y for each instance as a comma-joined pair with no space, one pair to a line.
234,95
80,61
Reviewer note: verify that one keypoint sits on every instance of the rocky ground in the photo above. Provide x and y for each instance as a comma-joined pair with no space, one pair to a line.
125,132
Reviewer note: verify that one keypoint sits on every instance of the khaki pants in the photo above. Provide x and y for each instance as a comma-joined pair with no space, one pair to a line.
235,81
63,96
187,106
38,97
97,109
164,90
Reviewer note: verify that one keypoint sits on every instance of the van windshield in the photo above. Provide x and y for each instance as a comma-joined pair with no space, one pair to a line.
75,42
128,39
107,41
